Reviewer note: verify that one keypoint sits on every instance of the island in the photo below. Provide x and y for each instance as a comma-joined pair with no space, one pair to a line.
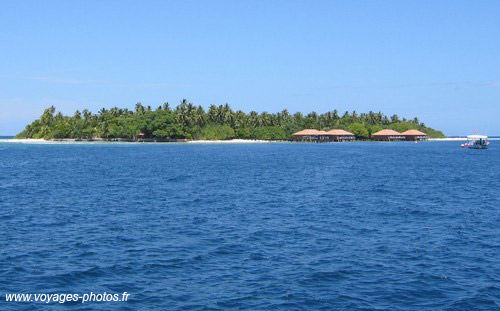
191,122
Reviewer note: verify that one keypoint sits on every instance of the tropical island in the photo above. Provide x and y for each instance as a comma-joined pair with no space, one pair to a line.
187,121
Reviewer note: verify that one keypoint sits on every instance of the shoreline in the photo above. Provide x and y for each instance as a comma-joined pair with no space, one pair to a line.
181,141
104,141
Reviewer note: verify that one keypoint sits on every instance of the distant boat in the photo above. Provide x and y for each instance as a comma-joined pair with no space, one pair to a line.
476,142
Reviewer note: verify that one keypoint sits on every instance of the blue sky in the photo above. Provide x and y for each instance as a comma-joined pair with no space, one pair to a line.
438,60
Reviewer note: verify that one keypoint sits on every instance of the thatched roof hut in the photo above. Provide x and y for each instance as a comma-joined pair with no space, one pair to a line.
413,132
415,135
332,135
386,132
387,135
340,132
340,135
311,134
307,132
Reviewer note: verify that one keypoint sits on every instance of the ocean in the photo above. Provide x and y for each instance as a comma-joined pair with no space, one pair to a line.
278,226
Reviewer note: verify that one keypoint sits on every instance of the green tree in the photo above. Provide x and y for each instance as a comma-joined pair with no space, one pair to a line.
358,129
218,122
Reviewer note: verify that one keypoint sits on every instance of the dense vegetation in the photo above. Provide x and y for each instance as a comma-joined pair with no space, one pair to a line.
193,122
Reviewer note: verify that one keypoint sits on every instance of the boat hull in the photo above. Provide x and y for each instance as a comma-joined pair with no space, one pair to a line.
478,147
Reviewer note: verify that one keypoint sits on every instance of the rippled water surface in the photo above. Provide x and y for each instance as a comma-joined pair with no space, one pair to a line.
388,226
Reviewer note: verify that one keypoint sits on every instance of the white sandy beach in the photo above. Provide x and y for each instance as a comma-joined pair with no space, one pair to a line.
43,141
231,141
71,141
25,141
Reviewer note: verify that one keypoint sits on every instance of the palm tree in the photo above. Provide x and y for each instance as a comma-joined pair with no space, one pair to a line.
239,119
354,116
298,117
181,113
265,119
212,114
87,115
199,116
227,115
166,107
115,112
253,118
139,108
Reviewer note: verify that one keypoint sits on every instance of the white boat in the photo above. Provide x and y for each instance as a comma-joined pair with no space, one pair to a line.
477,142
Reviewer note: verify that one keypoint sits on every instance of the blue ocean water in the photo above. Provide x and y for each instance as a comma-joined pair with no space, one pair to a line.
287,226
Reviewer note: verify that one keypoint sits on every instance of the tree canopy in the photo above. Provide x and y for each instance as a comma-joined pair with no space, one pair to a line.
218,122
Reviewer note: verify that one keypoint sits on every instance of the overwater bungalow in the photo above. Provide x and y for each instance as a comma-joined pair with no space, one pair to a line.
415,135
322,136
310,134
388,135
340,135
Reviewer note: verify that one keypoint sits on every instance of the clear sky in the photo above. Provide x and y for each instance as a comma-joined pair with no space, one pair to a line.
436,59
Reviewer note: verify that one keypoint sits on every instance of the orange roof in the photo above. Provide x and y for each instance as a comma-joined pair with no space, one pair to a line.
308,132
414,132
339,132
386,132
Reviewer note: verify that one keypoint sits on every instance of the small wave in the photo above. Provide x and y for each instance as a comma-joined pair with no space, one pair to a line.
74,277
327,276
231,249
178,178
